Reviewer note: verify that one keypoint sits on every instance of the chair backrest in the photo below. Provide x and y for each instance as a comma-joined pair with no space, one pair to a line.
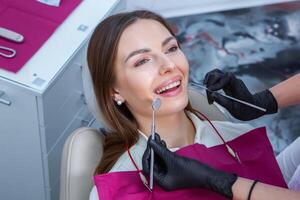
81,154
83,148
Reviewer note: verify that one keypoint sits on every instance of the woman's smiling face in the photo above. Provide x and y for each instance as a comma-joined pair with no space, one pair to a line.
150,64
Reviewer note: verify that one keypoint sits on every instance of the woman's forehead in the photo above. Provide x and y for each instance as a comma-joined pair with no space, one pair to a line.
141,34
145,24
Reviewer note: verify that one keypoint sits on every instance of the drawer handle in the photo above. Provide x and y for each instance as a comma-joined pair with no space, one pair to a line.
3,101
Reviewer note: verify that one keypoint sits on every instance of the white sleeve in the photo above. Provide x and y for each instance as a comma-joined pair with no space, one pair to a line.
94,194
289,159
294,184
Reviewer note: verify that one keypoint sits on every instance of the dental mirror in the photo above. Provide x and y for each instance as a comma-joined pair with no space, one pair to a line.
155,106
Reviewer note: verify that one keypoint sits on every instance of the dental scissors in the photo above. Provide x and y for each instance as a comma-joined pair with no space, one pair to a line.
10,53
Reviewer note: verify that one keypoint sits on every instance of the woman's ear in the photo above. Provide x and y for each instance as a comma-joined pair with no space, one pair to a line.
117,97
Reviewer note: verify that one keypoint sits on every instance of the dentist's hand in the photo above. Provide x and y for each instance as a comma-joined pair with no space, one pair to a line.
232,86
173,172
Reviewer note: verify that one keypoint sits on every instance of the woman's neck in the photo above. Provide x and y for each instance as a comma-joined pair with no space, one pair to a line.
176,130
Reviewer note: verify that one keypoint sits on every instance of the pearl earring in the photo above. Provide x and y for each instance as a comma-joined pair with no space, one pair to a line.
119,102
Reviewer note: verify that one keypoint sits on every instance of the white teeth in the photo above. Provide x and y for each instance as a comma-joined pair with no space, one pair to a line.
172,85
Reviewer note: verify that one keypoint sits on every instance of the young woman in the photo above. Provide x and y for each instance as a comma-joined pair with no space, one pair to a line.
134,58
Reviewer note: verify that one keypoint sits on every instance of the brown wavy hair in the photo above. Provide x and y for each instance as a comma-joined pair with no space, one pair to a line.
101,55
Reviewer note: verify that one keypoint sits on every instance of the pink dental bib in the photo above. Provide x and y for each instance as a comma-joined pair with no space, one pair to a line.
253,148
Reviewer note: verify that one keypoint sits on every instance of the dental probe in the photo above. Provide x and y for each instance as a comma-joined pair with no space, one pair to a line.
229,97
155,106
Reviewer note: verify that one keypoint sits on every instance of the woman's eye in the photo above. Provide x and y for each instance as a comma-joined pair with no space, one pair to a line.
141,62
172,49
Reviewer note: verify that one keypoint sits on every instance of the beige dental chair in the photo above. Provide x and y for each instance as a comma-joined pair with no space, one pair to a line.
83,148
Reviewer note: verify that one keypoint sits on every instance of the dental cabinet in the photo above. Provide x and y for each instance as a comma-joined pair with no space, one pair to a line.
43,103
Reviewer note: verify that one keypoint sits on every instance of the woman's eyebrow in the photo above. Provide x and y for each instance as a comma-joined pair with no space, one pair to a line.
166,41
146,50
137,52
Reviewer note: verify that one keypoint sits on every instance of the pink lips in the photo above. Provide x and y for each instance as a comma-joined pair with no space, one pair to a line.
164,84
173,92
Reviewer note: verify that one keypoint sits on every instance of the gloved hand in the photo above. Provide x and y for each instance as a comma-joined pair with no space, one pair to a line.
232,86
173,172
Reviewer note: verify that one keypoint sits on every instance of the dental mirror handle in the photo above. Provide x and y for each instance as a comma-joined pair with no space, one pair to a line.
152,152
151,169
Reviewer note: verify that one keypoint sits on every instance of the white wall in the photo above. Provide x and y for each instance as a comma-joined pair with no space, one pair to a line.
172,8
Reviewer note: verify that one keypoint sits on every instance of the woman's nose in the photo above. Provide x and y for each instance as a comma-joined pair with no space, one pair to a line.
166,65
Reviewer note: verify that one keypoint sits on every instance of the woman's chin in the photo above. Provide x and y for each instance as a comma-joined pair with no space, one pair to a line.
175,106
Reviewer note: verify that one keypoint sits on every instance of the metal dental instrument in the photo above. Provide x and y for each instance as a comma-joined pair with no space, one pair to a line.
10,52
11,35
155,106
229,97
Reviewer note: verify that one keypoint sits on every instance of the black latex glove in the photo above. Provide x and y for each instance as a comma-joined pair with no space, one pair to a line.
232,86
173,172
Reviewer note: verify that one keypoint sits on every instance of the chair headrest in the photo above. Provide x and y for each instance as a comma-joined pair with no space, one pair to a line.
90,97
